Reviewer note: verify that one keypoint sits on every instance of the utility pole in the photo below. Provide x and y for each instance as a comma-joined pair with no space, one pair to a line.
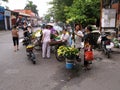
101,6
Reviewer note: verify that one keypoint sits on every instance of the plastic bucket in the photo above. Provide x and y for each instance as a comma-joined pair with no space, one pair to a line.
69,65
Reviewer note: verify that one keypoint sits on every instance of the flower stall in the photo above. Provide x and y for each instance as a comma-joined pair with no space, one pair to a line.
69,53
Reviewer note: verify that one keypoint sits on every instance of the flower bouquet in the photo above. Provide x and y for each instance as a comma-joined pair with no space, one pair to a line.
37,33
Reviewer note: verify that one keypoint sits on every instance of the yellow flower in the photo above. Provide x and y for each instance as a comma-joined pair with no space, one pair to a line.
67,51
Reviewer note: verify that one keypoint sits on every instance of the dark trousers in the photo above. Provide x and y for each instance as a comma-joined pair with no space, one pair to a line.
15,41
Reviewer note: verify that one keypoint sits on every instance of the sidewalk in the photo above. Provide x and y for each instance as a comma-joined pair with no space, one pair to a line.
116,50
3,32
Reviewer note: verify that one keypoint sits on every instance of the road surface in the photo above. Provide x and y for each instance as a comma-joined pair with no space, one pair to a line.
18,73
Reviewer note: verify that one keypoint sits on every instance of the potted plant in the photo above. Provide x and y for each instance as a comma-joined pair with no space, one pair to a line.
69,53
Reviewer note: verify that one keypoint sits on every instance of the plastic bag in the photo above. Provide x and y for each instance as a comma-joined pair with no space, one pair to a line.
89,55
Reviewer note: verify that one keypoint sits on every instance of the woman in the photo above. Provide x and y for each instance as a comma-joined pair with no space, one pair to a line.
15,37
65,37
88,45
45,42
30,29
25,29
78,35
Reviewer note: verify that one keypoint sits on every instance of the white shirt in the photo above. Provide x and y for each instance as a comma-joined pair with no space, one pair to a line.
78,39
46,35
65,37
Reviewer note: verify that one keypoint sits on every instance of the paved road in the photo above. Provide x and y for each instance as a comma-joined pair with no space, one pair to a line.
18,73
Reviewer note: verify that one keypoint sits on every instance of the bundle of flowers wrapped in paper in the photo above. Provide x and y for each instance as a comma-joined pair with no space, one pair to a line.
67,52
37,33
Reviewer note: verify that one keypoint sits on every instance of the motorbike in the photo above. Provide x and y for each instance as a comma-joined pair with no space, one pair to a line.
29,48
30,53
106,45
27,40
37,41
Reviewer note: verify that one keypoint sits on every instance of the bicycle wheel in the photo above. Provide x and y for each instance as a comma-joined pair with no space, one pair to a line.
59,58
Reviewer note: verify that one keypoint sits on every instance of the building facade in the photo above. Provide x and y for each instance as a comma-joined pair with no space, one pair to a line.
2,18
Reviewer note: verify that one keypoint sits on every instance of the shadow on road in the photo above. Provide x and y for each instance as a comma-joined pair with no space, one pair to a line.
64,77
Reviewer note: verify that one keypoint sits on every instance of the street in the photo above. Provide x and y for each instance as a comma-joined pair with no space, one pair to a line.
18,73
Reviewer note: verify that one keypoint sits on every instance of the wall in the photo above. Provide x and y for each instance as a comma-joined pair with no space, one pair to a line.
117,7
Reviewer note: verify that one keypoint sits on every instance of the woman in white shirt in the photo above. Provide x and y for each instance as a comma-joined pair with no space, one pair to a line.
65,37
78,36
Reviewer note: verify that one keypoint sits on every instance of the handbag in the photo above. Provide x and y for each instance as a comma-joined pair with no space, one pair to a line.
89,55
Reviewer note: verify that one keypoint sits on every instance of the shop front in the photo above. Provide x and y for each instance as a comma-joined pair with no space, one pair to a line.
2,18
14,17
7,19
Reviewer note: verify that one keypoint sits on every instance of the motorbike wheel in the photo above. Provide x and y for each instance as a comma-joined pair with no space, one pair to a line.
33,61
108,54
33,58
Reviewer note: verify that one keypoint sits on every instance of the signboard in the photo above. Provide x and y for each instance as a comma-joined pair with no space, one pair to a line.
108,18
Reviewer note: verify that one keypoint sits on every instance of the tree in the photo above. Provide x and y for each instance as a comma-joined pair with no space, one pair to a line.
32,7
83,11
58,9
5,0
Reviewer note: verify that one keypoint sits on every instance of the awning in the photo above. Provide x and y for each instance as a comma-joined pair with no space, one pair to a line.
23,14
